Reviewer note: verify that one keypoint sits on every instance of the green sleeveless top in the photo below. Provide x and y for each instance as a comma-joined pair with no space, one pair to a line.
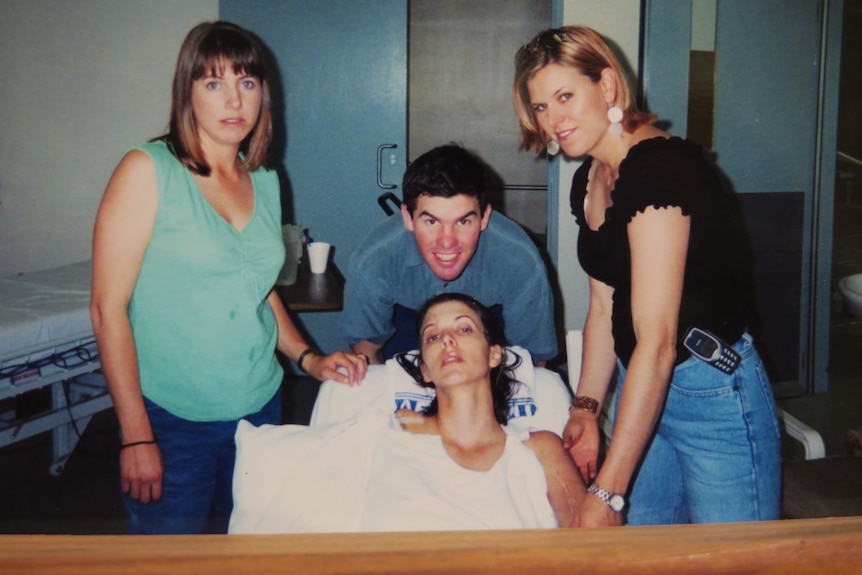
204,333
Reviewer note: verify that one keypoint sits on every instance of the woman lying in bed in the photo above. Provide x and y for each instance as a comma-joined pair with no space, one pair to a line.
452,468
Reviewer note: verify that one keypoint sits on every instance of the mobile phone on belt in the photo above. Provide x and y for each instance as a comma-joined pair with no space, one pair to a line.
709,348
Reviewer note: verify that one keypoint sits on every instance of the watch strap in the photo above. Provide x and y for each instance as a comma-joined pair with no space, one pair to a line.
613,500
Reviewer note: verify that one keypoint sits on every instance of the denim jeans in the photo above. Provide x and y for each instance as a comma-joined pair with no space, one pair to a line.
716,453
197,487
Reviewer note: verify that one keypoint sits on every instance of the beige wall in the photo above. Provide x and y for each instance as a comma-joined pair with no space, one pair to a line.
82,82
85,81
619,21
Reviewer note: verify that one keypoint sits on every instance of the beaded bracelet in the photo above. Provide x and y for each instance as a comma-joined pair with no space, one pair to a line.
584,403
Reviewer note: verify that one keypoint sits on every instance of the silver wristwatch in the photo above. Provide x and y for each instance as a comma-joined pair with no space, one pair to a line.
614,500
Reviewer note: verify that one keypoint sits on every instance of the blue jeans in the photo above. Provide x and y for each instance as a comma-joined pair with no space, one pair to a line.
716,453
197,487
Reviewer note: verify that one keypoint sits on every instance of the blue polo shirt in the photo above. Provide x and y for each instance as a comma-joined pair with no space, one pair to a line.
387,273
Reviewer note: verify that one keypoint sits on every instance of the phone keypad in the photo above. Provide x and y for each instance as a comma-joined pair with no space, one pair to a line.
728,360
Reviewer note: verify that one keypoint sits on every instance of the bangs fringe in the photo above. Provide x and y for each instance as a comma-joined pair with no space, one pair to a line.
226,47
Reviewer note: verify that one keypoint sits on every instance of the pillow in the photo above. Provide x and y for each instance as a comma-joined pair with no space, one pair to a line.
541,402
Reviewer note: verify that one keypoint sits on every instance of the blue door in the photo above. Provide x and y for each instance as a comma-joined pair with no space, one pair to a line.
772,132
343,88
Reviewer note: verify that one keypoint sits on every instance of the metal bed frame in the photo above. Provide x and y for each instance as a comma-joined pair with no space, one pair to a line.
65,360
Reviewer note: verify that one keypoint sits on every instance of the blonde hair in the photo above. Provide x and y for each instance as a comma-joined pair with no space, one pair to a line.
209,47
582,49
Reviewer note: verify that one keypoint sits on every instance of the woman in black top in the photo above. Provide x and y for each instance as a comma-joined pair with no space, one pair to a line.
692,441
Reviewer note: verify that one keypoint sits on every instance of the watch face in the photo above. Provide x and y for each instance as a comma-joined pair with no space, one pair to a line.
617,502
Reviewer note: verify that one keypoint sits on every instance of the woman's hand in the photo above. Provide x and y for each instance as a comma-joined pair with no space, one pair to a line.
595,513
343,367
141,471
581,440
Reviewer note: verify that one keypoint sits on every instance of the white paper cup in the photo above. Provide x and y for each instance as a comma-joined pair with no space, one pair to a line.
318,256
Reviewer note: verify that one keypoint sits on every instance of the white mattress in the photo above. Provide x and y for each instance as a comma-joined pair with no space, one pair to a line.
45,312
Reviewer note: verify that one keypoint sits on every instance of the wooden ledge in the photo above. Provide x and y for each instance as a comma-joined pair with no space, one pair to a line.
814,546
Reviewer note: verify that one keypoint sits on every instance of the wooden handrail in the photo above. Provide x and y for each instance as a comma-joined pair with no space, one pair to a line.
812,546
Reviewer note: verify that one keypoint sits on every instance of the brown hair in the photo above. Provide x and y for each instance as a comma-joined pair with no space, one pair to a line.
576,47
207,49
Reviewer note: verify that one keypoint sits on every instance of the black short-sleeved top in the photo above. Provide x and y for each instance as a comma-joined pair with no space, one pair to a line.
665,172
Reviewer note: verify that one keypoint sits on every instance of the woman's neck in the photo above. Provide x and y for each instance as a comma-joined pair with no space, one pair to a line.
222,160
465,415
612,150
468,428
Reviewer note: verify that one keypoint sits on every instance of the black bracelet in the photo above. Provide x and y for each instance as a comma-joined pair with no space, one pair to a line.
134,443
302,355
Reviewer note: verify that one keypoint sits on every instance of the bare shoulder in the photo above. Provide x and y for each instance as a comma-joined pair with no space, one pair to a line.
126,216
545,443
135,173
135,163
648,131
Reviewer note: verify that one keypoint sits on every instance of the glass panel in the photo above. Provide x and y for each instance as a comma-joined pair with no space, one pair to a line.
845,359
460,89
701,74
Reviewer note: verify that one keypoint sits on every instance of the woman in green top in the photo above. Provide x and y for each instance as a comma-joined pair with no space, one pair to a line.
187,248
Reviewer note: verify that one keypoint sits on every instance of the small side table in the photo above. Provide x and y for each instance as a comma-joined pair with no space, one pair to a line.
313,292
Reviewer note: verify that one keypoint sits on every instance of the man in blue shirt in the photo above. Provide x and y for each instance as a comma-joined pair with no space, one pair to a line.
448,239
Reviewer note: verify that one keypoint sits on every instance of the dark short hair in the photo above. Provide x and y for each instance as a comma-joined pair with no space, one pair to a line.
445,171
206,48
504,384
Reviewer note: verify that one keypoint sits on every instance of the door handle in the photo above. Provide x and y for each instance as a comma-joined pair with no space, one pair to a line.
380,150
384,199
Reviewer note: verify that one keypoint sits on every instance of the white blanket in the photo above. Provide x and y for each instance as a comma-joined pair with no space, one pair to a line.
292,479
369,475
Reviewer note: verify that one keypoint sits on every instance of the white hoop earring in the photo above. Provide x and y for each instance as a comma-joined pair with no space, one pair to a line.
553,147
615,117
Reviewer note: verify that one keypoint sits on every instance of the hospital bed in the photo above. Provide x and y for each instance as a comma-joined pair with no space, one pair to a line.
278,466
47,343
